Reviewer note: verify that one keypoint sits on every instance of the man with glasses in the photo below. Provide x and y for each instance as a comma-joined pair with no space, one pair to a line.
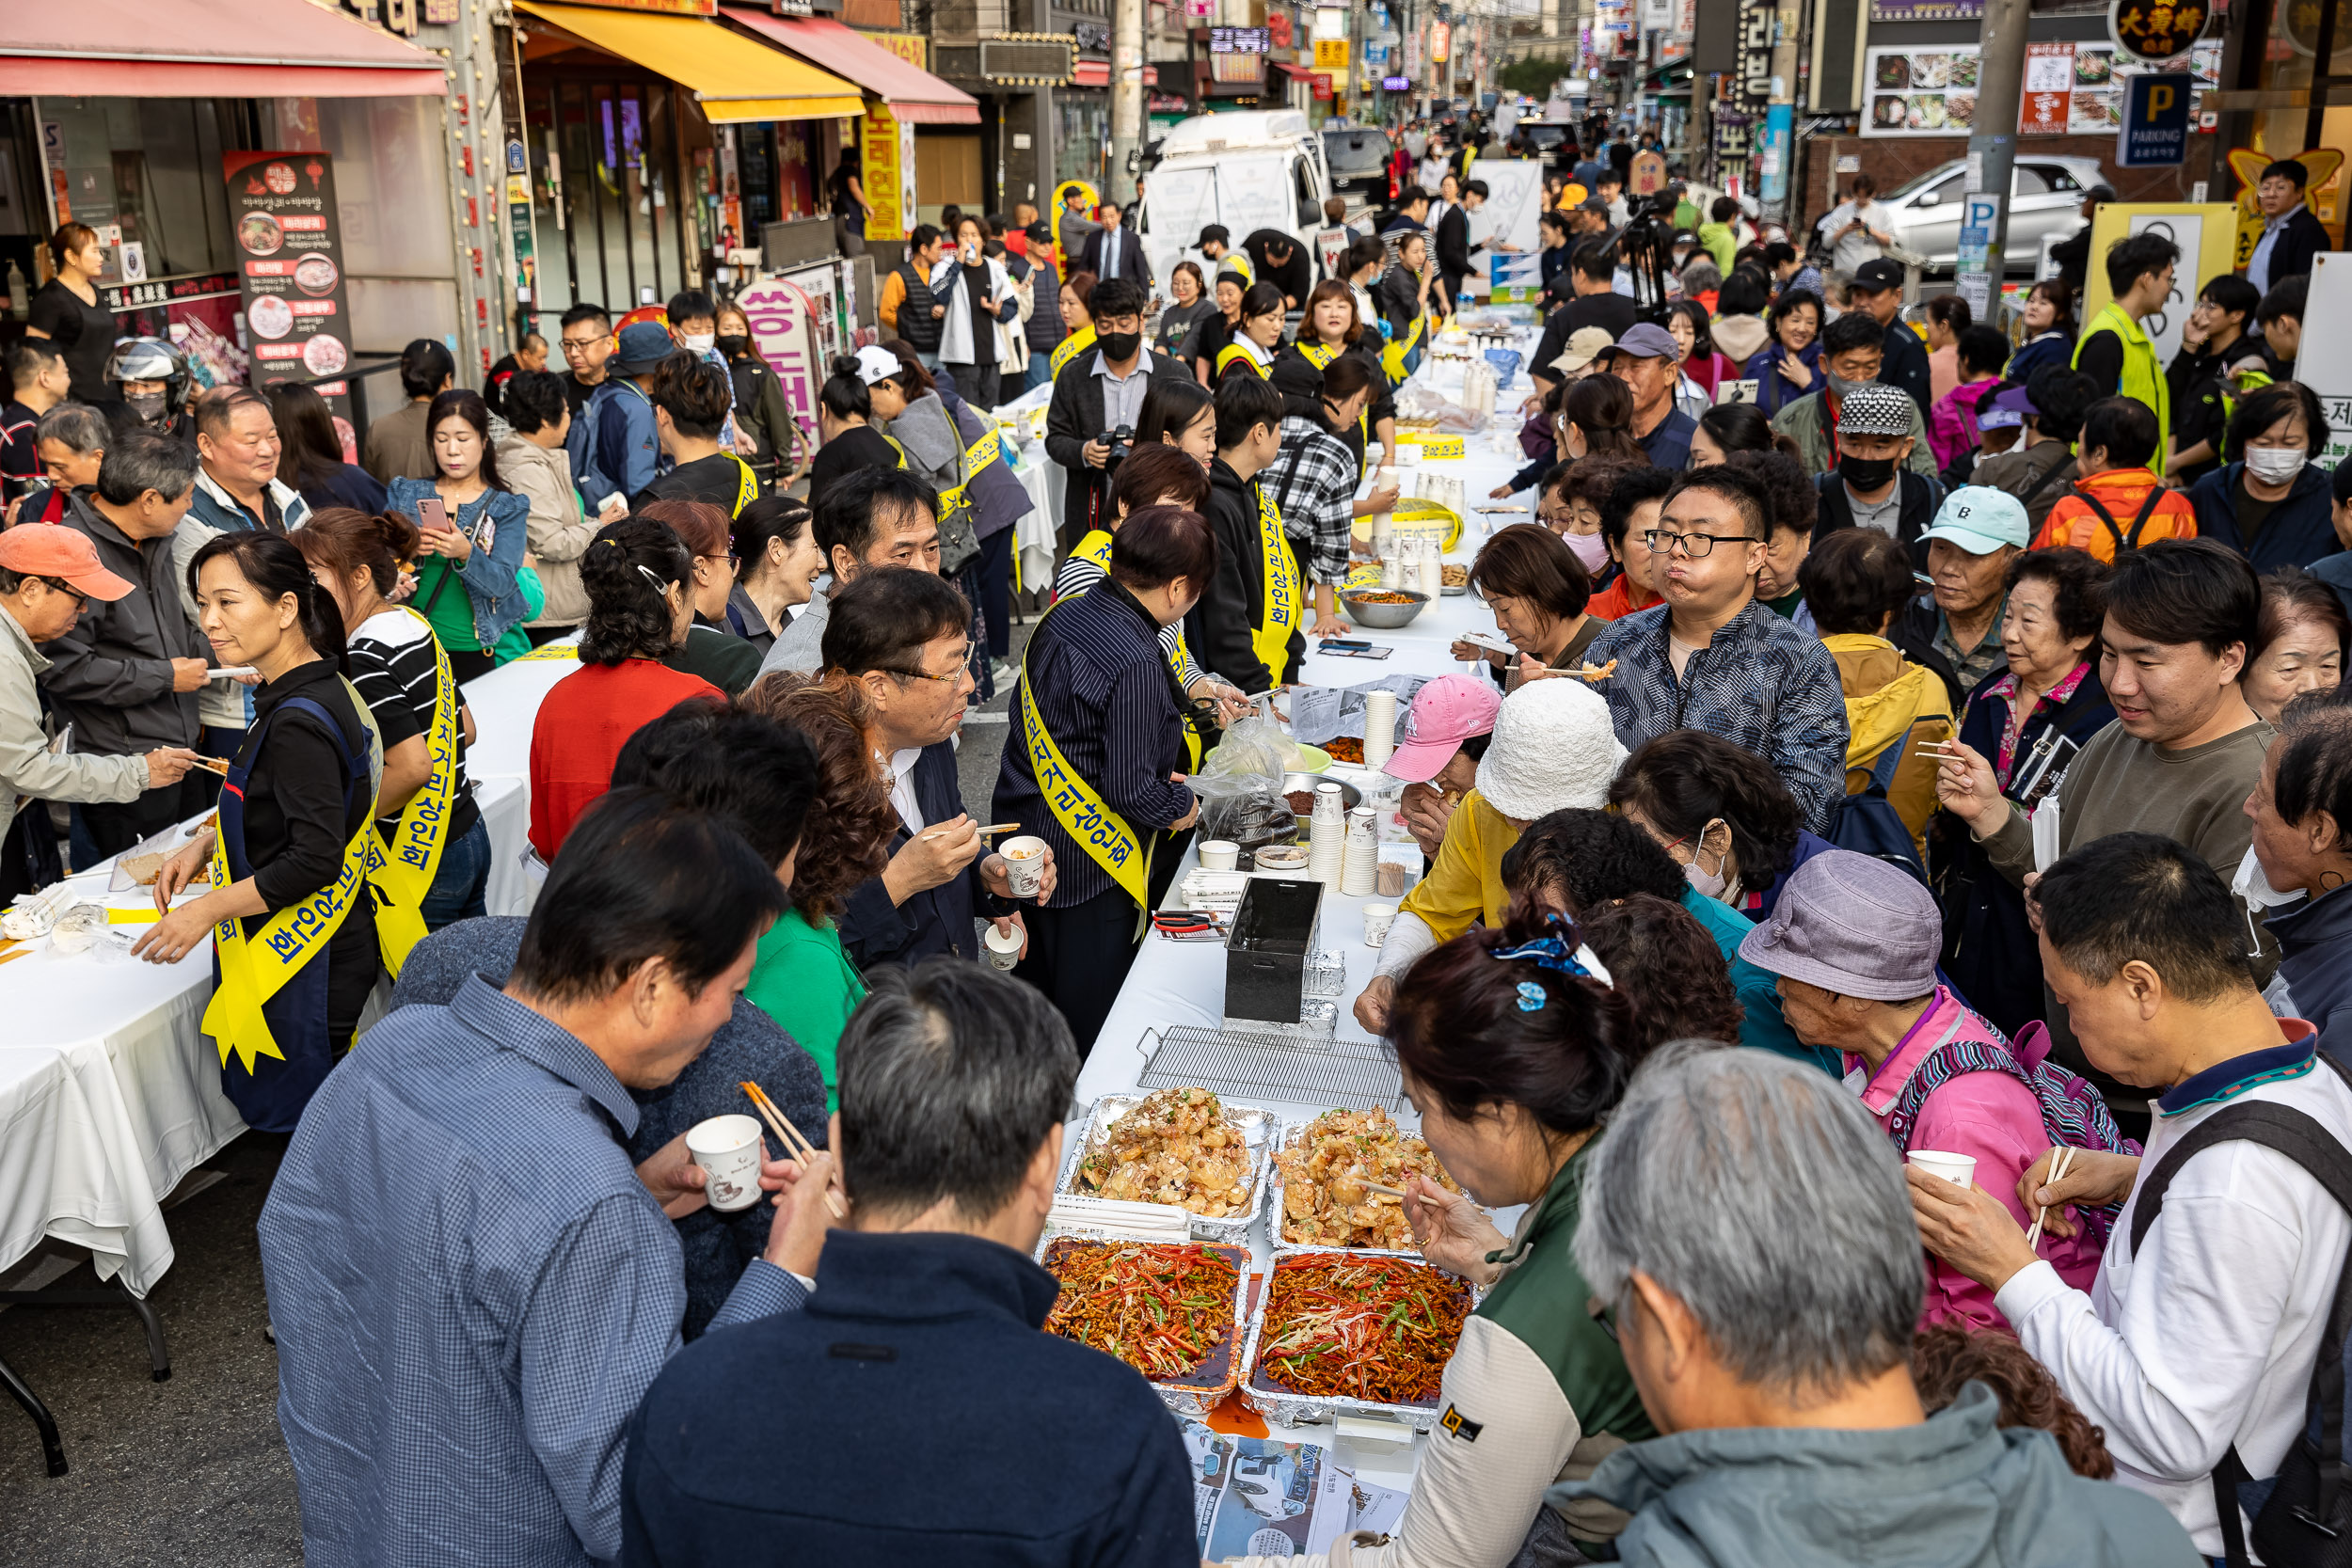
587,343
905,636
869,517
1714,658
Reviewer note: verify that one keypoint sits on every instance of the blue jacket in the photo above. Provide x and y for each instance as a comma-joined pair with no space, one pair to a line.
1774,391
614,445
2315,964
934,1423
2051,348
210,505
939,920
2298,532
489,575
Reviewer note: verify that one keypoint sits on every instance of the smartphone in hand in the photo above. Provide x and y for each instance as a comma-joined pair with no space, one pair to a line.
432,514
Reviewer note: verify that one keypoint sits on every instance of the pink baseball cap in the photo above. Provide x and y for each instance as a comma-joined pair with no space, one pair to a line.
1445,712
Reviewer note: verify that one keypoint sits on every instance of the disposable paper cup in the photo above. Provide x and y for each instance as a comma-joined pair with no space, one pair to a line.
728,1150
1003,947
1024,866
1960,1169
1217,854
1377,918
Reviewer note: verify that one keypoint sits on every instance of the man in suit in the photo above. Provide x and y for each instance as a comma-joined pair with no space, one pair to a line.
1098,393
904,635
2291,236
1456,254
1114,251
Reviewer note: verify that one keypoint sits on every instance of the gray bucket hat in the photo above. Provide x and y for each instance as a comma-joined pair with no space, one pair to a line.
1853,925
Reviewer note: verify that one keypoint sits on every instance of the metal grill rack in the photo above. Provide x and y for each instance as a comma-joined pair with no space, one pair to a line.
1288,1068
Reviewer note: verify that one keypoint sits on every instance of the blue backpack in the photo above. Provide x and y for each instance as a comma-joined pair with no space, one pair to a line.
1868,824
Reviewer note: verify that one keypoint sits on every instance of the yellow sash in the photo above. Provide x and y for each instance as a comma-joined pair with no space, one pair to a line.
402,877
1279,612
1069,349
746,490
1392,355
894,444
980,454
1101,831
253,971
1231,352
1096,546
1320,356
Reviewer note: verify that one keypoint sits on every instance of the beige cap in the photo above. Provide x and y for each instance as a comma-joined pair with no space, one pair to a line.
1584,346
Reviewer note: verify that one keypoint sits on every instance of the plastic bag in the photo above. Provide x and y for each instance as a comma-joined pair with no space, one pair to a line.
1240,786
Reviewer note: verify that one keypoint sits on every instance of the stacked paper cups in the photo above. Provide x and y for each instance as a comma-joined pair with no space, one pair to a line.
1358,876
1327,849
1379,727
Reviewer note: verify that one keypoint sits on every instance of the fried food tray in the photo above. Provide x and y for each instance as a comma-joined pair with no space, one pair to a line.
1204,1389
1287,1069
1292,1135
1277,1403
1257,1126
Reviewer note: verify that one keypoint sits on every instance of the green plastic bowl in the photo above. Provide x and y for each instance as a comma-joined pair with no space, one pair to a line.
1312,759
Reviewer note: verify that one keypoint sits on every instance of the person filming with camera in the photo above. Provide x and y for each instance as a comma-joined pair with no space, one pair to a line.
1098,402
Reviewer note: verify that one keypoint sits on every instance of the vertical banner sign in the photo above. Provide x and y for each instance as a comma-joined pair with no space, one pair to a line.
2049,89
1753,79
2328,318
783,320
282,209
887,174
2155,121
1979,214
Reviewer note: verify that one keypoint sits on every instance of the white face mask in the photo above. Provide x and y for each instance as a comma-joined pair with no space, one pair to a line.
699,342
1710,885
2276,464
2253,883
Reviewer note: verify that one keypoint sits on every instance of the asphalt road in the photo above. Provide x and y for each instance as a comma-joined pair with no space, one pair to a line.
192,1471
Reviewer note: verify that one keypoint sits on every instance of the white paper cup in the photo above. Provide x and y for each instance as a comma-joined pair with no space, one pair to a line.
1377,918
1960,1169
728,1150
1218,854
1003,947
1024,866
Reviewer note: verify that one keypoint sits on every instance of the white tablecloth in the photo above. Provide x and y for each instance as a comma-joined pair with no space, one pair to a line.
110,1092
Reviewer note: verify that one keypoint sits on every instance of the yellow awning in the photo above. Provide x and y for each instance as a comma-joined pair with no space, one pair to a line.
734,79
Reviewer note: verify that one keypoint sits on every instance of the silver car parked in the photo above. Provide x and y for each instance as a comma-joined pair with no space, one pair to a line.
2045,202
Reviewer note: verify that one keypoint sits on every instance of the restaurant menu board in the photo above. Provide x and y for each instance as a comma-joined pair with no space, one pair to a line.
2070,89
288,234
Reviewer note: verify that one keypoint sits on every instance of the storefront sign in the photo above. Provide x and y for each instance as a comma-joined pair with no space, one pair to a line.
2328,317
2156,30
289,235
784,322
1331,54
1753,82
2155,122
1396,83
1926,10
2049,85
914,48
1440,42
887,150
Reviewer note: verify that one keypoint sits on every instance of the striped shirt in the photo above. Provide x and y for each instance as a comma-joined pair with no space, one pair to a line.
392,670
1077,573
1314,483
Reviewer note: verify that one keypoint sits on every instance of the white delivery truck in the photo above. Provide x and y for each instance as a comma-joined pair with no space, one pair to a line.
1249,170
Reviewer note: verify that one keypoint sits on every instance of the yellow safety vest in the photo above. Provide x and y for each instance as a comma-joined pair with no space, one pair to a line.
402,877
2143,377
1069,349
1096,547
1091,824
1279,593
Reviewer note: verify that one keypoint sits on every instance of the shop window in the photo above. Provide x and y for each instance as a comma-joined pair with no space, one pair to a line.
1081,150
149,168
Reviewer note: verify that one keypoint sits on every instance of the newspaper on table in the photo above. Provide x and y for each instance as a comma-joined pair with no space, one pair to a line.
1261,1497
1321,713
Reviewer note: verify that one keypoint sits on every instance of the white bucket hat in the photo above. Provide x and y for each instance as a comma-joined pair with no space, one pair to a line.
1554,748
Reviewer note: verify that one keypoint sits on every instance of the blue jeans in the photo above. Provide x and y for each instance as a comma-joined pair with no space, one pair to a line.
459,883
1040,372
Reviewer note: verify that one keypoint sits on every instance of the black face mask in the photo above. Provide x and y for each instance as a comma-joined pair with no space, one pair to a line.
1119,347
734,345
1865,473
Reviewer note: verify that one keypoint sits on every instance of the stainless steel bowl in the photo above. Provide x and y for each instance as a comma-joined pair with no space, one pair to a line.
1384,617
1350,797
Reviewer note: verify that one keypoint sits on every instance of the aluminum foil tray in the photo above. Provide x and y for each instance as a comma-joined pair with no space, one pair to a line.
1257,1126
1276,1403
1204,1389
1291,1134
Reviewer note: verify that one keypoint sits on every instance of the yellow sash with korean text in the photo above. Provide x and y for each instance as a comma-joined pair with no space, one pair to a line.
1279,608
1320,356
1231,352
1096,546
1101,831
1069,349
253,971
403,874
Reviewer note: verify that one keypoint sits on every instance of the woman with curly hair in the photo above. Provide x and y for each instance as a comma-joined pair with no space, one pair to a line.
802,978
1667,965
1947,1357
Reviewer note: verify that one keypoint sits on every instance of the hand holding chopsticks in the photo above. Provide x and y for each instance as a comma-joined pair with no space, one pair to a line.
2042,1211
796,1147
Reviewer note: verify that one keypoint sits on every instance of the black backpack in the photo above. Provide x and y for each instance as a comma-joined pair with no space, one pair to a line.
2302,1515
2122,541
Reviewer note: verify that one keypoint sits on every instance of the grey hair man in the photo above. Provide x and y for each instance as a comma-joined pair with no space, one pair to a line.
1780,1373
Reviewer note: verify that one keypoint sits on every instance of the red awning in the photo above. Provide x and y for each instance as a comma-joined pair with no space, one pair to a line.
205,49
1092,74
914,95
1296,73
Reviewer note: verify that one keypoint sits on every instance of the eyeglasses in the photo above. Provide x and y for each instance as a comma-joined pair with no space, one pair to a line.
57,585
953,678
573,347
1597,1310
1696,546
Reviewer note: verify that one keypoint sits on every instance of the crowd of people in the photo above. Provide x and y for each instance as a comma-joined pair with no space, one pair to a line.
1963,773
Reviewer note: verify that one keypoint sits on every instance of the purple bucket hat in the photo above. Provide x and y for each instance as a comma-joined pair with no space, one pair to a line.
1852,925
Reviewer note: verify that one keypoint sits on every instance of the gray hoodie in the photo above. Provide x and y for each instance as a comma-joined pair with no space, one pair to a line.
1953,1492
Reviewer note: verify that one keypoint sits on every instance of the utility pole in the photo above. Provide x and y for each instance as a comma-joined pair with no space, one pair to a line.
1126,96
1993,146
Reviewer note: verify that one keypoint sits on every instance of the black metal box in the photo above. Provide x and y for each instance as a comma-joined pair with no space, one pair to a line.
1273,940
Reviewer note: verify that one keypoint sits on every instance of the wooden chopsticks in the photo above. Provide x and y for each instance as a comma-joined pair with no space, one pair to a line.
990,831
799,1148
2057,1169
214,764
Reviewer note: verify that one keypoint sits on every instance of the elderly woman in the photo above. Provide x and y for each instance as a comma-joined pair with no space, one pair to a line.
1580,863
776,563
2028,722
1552,748
802,978
1515,1051
1855,940
2300,644
1720,811
1447,731
1538,589
1781,1373
1099,699
2303,812
1789,367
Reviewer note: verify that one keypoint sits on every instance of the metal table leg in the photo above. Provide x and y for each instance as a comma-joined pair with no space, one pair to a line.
52,1450
113,1294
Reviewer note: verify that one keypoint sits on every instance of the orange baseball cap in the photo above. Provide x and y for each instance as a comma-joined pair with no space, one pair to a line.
53,550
